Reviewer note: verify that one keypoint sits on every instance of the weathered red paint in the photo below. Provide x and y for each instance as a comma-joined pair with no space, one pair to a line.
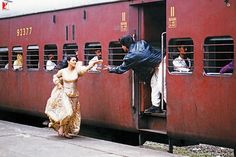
105,98
202,107
199,107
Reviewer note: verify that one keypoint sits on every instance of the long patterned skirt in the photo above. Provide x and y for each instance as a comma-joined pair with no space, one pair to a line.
63,110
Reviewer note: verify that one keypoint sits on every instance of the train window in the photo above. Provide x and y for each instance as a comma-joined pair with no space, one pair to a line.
17,58
3,58
69,49
93,51
218,55
116,53
32,59
180,56
50,57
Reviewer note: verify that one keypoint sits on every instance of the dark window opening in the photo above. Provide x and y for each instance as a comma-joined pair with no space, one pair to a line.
116,53
180,55
50,57
69,50
93,52
218,52
32,60
90,51
3,58
17,58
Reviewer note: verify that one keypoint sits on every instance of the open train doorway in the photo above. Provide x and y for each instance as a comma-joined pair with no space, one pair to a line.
152,24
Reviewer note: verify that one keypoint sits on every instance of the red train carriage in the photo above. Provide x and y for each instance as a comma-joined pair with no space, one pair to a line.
200,102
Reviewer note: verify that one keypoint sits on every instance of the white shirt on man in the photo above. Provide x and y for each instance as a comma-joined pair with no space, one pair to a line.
180,64
95,67
50,65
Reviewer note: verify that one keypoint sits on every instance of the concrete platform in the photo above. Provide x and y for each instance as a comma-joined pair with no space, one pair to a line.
17,140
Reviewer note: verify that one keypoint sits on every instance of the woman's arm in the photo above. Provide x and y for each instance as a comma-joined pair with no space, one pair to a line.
57,78
83,69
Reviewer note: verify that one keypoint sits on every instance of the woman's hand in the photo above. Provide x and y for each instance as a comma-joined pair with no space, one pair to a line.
92,63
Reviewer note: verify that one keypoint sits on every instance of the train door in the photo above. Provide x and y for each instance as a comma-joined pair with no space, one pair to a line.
152,24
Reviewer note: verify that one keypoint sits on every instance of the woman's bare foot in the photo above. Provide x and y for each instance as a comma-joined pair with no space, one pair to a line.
60,131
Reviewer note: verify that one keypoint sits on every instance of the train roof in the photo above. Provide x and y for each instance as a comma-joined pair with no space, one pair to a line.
13,8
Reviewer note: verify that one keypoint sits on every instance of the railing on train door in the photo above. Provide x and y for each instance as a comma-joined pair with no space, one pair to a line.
163,64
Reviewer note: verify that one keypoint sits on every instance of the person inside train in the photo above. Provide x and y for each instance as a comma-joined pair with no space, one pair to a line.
18,63
98,56
182,63
50,65
144,60
63,108
229,68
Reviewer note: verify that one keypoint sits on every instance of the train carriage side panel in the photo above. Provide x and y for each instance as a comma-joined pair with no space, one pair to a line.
201,107
4,31
105,98
4,75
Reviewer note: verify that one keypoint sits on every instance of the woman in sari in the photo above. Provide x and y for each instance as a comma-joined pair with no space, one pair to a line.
63,108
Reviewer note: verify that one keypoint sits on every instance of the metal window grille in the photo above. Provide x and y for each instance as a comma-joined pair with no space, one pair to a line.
187,44
218,52
16,50
116,53
69,50
3,57
32,57
89,51
50,49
